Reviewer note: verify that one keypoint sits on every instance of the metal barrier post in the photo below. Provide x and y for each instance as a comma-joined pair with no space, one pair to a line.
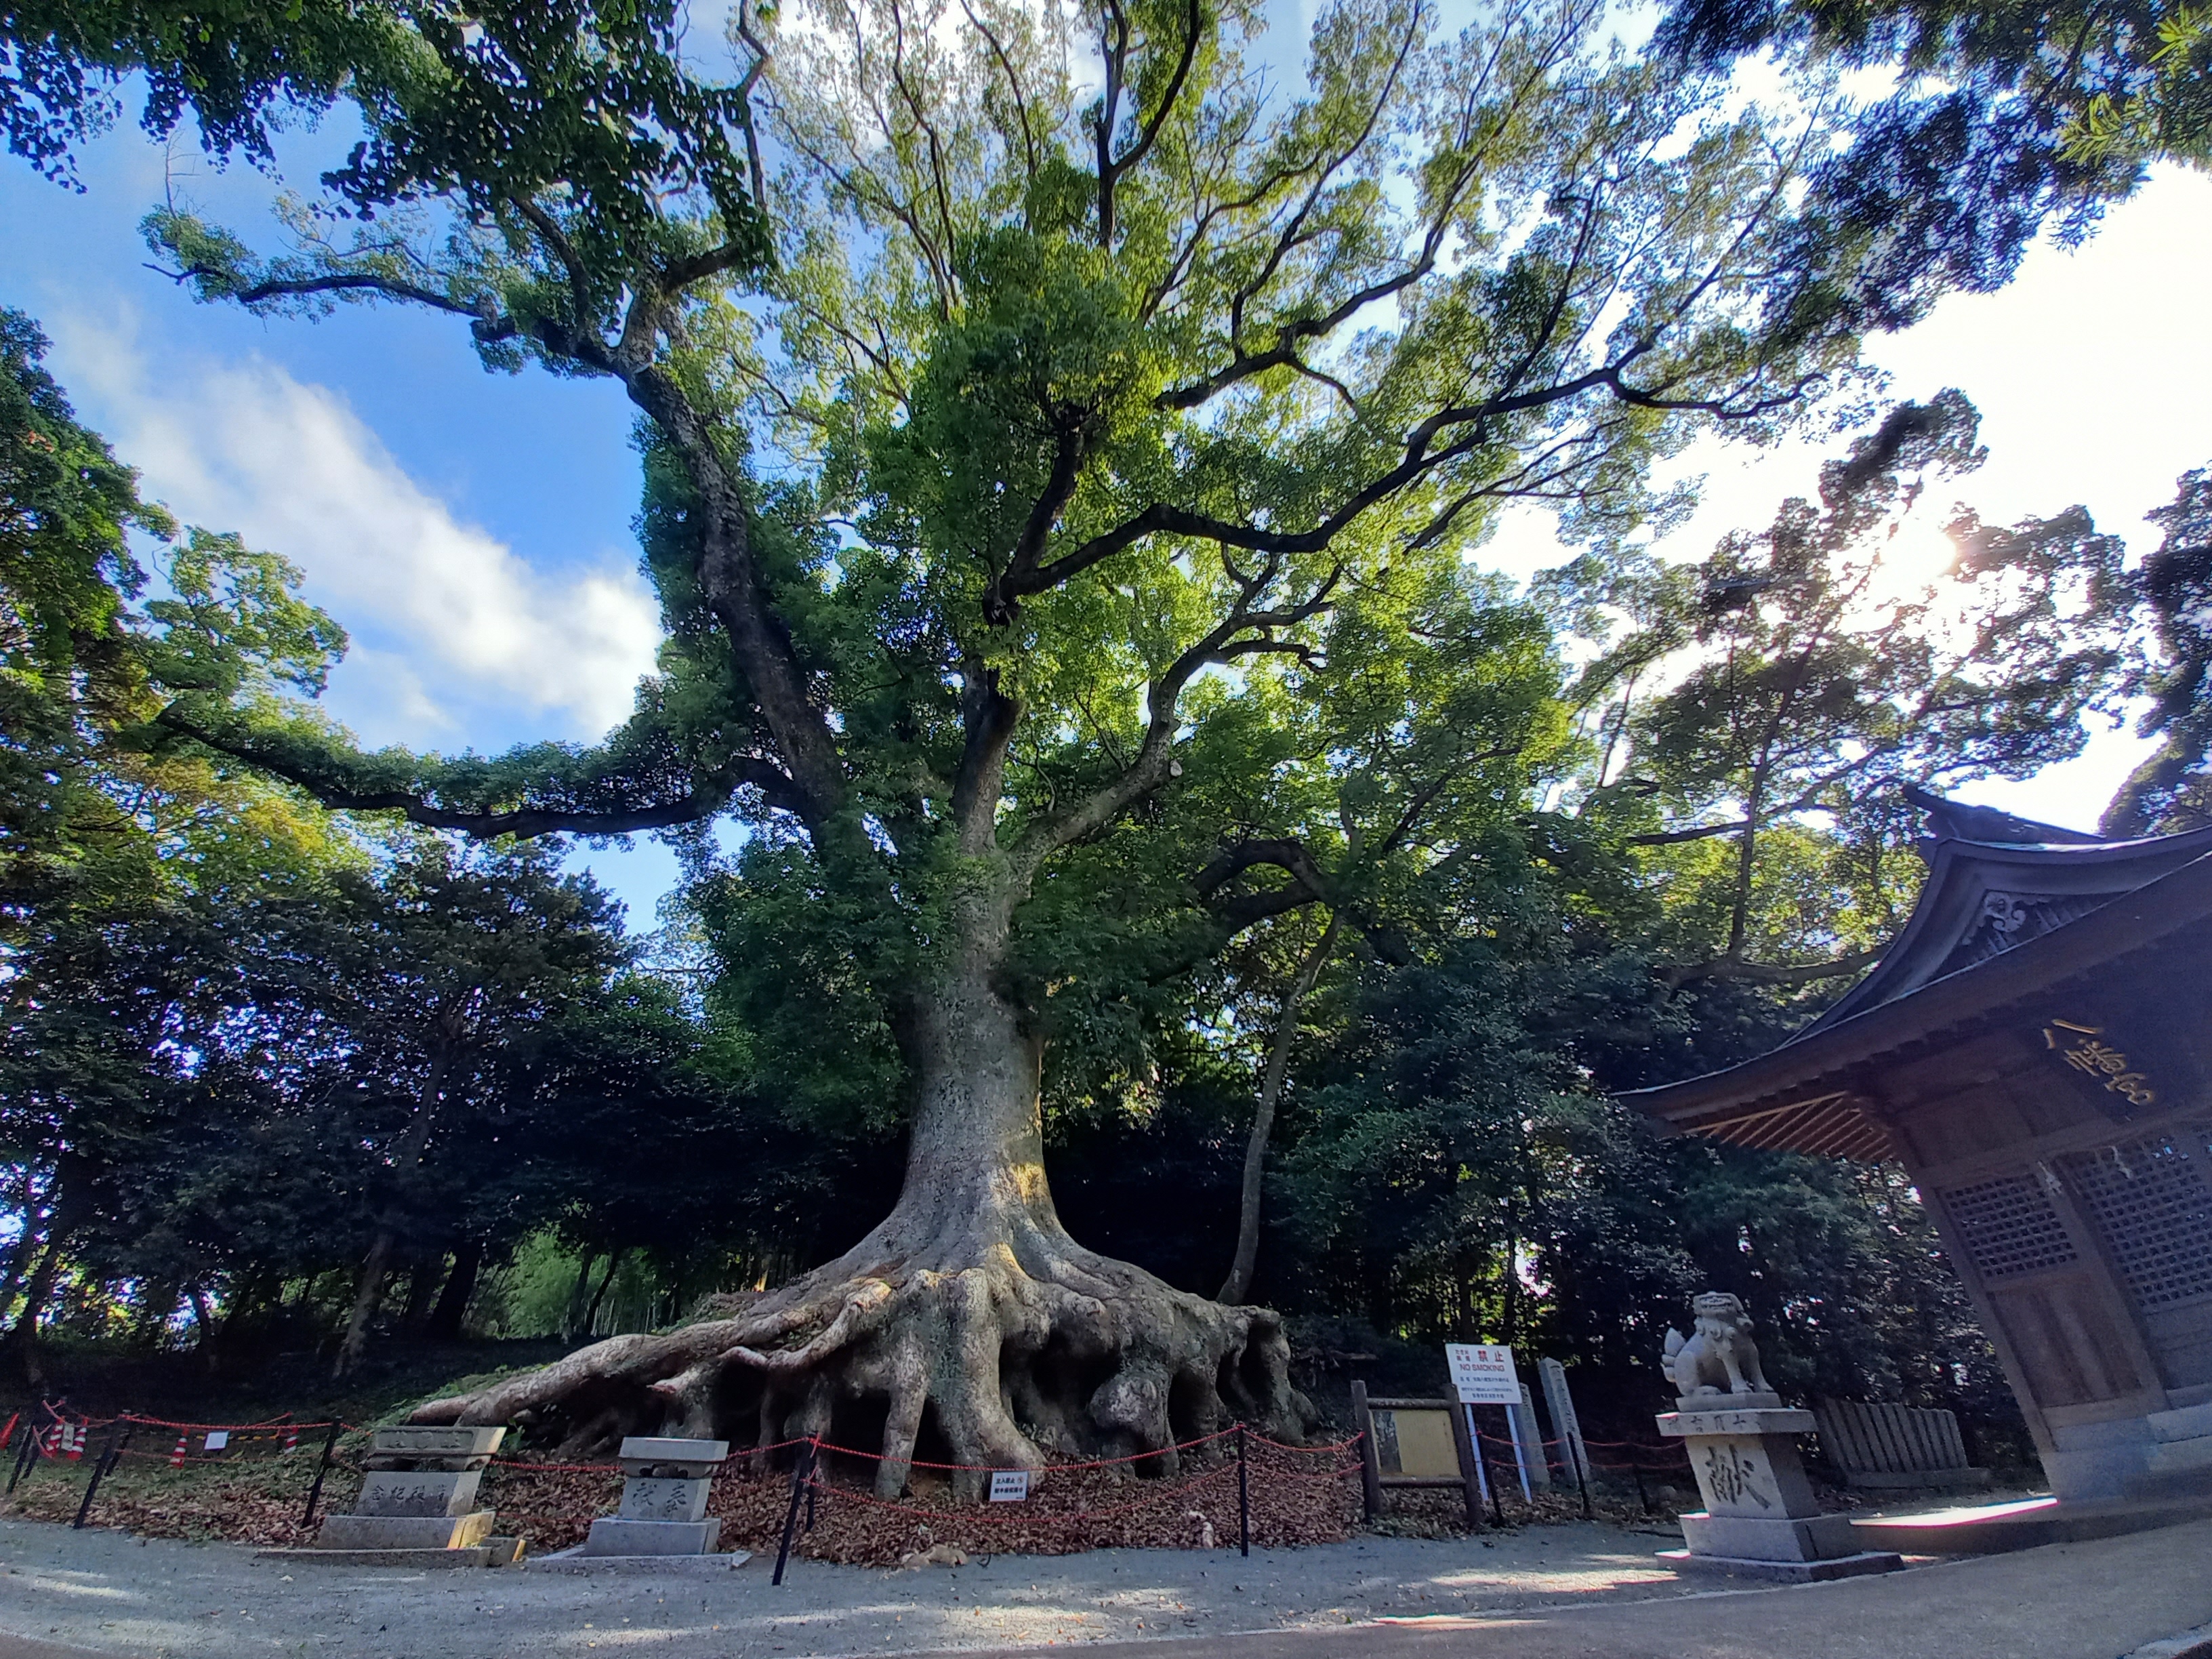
110,1454
1519,1455
1370,1464
315,1492
801,1479
1473,1488
1243,1496
26,1459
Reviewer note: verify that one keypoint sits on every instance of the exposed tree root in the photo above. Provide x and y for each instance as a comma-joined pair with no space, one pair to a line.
993,1341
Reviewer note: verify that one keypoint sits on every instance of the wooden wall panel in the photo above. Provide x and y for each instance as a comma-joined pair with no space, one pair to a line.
1956,1067
2069,1347
2182,1339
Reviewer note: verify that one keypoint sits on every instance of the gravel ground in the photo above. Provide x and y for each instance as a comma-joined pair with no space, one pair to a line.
107,1591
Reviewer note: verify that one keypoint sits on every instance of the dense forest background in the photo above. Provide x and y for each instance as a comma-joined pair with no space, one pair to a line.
278,1080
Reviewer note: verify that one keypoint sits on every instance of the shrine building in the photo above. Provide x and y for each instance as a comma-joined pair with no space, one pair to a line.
2035,1049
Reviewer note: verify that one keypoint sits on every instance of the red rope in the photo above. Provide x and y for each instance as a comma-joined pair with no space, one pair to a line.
1314,1451
1033,1517
1044,1468
615,1468
556,1468
275,1423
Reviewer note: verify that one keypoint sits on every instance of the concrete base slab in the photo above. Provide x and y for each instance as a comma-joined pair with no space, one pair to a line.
1993,1529
1785,1573
2190,1423
405,1532
613,1536
1805,1538
474,1555
2170,1458
576,1561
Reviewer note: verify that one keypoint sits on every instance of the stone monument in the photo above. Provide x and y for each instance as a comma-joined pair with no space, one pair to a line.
664,1502
1760,1519
419,1501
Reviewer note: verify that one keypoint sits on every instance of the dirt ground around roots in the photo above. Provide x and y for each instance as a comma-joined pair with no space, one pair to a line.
1540,1593
255,1493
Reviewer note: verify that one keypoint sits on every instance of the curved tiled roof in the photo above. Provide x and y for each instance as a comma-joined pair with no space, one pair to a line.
1998,918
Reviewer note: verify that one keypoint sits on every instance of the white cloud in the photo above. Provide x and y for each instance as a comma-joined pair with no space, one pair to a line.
447,620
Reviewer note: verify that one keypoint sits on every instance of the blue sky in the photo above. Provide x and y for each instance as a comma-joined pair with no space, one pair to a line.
472,530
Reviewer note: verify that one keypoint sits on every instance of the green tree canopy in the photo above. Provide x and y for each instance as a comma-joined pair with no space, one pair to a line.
1757,714
2169,791
1063,544
2004,120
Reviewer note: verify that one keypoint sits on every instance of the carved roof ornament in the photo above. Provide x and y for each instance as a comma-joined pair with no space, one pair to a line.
1995,881
2020,922
1945,820
2005,913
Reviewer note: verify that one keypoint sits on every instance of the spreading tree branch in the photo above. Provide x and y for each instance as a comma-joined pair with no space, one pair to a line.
1763,973
1111,167
1695,832
710,794
1244,632
1023,575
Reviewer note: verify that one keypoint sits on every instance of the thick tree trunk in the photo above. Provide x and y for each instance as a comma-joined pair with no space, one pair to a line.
592,1310
461,1285
1238,1285
204,1319
573,1325
967,1321
23,1336
368,1289
369,1292
423,1279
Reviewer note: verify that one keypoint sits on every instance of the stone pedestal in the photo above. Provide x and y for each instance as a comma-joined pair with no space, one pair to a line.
420,1495
1760,1519
665,1483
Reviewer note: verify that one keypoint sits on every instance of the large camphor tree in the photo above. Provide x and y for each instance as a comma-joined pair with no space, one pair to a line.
1066,446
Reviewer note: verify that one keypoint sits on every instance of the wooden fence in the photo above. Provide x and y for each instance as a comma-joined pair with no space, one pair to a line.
1877,1445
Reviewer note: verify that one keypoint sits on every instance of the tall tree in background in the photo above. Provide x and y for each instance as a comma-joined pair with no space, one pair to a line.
1299,986
2006,119
1768,704
2169,790
96,837
1105,521
448,965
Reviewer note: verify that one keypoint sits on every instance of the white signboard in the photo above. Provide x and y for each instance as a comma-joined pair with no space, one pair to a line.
1483,1374
1009,1485
217,1440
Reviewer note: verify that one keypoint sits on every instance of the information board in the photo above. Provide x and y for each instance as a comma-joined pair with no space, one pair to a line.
1482,1374
1009,1485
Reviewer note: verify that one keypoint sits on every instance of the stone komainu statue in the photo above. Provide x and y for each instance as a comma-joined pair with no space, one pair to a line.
1720,1356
